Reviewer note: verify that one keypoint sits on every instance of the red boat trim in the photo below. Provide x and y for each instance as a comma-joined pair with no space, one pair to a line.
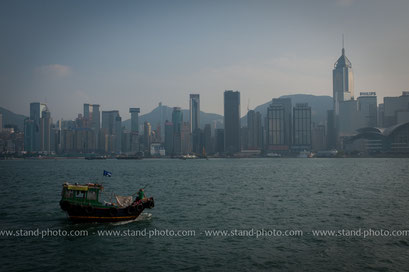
103,217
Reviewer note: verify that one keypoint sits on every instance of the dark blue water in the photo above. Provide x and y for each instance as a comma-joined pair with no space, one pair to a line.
218,194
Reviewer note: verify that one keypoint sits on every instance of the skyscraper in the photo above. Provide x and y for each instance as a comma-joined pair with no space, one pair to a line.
92,116
36,110
110,140
232,121
134,119
168,137
279,125
254,129
194,112
45,131
343,81
395,110
368,107
302,127
147,131
177,120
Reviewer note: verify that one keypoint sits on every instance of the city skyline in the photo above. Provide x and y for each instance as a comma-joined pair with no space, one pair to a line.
140,54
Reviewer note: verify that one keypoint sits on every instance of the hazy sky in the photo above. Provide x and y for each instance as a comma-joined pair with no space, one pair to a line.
122,54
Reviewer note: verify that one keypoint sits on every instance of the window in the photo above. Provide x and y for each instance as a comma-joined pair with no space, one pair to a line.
92,195
68,194
79,194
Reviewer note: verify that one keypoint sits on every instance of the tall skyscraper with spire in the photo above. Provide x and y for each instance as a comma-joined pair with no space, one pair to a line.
343,80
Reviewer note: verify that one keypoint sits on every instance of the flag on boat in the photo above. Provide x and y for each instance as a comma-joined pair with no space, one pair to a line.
108,174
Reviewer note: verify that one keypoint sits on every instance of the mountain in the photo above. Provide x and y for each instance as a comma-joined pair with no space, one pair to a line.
11,118
319,106
154,117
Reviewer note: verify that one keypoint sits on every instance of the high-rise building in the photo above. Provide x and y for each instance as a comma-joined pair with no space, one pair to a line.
169,138
197,141
331,130
111,132
349,118
36,110
254,129
232,121
194,111
177,120
367,106
343,81
92,116
278,130
219,140
395,110
29,135
147,131
134,119
45,131
207,139
108,121
318,138
185,137
302,127
118,134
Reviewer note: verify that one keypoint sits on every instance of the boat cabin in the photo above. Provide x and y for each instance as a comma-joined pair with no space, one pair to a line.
87,194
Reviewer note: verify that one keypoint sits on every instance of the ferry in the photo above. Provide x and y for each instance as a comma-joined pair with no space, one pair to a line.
82,204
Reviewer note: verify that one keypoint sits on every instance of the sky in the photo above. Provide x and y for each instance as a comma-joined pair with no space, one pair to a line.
123,54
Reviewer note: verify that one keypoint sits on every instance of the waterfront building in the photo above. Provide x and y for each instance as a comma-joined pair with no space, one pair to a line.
207,138
168,137
185,137
331,130
92,116
395,110
279,125
318,138
219,141
197,141
369,140
254,130
111,130
36,110
232,121
147,134
367,106
194,111
301,127
45,131
134,119
177,120
343,81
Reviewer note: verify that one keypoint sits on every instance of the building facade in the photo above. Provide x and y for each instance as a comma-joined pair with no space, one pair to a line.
232,121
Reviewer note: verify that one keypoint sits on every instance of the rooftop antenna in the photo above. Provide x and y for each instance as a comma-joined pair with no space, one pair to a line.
248,105
343,48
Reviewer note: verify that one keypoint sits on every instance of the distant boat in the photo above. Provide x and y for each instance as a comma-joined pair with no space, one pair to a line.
188,157
82,203
96,158
125,157
304,154
273,155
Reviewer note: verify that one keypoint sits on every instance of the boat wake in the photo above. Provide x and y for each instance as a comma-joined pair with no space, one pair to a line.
141,217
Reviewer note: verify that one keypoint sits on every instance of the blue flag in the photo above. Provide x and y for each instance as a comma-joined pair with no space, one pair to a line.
108,174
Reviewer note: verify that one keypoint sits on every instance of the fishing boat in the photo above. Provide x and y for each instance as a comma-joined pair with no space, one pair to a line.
82,204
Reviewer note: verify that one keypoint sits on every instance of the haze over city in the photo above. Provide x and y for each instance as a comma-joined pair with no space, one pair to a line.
140,53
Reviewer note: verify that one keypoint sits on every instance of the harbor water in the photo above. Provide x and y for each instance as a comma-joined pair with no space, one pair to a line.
212,215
